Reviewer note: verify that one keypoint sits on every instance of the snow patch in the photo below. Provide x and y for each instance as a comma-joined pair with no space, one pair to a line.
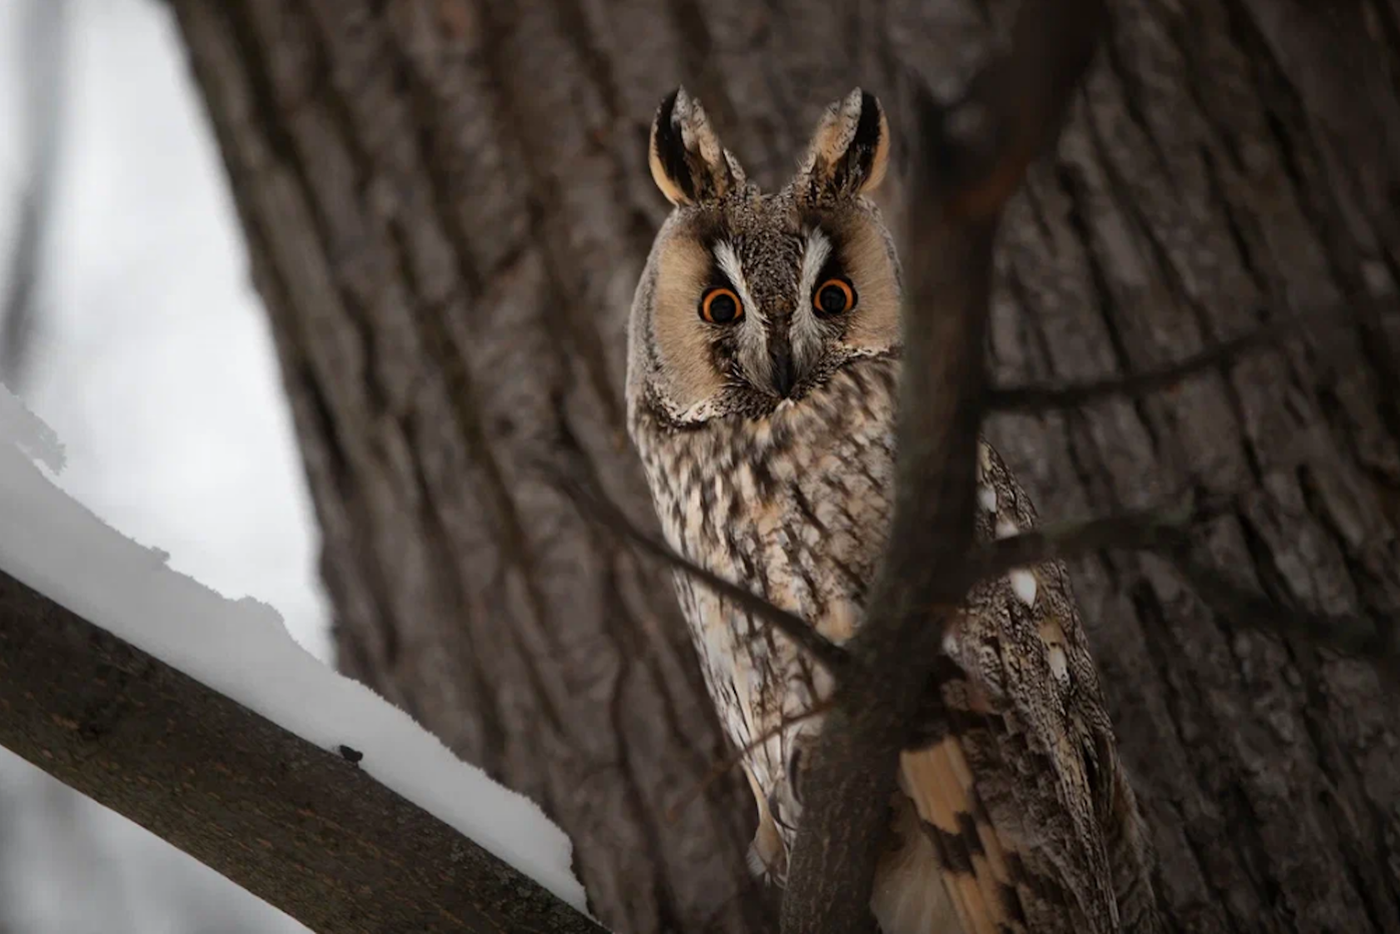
23,428
240,648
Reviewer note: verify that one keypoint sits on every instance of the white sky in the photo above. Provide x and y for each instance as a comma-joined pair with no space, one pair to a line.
155,363
156,370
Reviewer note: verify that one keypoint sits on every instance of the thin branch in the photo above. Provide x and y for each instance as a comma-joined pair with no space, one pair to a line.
1235,603
718,770
609,516
1062,395
1014,107
1155,529
300,827
1146,530
1165,532
1046,396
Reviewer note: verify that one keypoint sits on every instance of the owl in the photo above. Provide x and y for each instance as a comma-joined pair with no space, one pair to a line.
763,362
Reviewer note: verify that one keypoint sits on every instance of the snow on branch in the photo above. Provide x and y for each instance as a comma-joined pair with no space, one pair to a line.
21,427
201,719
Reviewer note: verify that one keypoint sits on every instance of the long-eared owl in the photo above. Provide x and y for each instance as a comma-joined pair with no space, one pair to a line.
762,373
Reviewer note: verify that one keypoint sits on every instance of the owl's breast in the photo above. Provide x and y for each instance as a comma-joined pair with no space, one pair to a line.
796,507
797,503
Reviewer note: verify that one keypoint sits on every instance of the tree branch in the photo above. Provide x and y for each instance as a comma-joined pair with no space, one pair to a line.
298,826
1062,395
606,513
1157,529
1236,604
1047,396
971,159
735,756
1146,530
1165,532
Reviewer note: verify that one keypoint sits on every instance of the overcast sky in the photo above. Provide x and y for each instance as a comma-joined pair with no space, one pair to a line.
154,366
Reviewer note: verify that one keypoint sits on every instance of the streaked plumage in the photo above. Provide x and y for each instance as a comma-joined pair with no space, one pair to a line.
764,355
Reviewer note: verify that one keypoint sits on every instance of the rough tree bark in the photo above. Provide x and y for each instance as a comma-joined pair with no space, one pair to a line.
446,204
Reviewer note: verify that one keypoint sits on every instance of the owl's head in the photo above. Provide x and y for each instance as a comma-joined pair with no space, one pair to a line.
752,300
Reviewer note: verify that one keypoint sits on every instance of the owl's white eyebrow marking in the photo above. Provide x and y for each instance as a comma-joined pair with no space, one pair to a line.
733,269
806,332
753,338
814,257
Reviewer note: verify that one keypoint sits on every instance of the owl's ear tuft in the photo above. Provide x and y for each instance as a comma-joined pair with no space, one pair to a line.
687,161
850,150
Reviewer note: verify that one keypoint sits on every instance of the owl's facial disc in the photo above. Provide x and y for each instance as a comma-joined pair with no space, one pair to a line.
756,300
759,302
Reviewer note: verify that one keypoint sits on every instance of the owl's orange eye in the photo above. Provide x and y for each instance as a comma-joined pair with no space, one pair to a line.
834,297
721,306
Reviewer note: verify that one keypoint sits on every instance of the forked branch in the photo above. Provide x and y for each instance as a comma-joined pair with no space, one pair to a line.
970,158
1064,395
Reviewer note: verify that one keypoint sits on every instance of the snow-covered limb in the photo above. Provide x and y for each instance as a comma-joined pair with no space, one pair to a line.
301,827
21,427
200,718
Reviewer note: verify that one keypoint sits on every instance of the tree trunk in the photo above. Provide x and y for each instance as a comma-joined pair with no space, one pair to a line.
447,206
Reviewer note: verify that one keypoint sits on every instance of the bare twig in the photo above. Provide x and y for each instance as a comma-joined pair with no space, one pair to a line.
1014,106
1235,603
1062,395
737,756
1155,529
1145,530
1041,397
1166,532
610,517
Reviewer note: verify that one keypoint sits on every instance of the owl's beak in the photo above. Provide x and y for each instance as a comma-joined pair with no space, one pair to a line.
784,373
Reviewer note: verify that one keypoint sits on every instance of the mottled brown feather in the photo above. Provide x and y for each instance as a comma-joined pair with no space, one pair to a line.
770,461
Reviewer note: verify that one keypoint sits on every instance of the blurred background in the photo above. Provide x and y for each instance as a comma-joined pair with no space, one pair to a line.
130,326
1233,163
